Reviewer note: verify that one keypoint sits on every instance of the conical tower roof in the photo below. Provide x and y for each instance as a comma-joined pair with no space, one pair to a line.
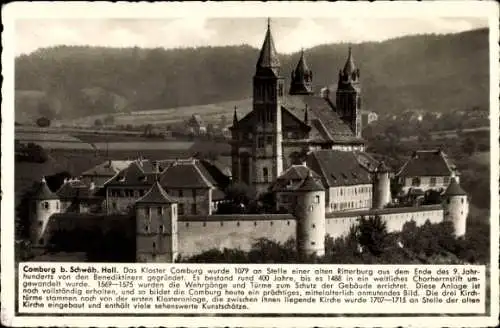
43,192
349,66
454,189
268,57
156,195
310,184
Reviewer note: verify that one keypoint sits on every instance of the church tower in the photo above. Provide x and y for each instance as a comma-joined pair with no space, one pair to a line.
301,83
267,158
348,98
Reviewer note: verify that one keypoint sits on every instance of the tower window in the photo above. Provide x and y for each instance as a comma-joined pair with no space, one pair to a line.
154,245
160,210
265,174
462,200
316,199
46,205
313,243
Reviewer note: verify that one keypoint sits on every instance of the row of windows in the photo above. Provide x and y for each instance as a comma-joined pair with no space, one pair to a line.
140,192
349,205
416,181
147,228
352,191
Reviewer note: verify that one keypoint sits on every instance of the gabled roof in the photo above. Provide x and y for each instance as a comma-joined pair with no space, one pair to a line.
156,195
338,168
139,172
268,58
427,163
187,174
454,189
42,192
107,168
73,188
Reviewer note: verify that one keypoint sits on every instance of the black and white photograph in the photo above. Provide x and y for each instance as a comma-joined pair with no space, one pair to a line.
253,139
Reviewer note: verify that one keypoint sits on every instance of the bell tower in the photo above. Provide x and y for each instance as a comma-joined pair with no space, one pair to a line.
348,97
268,88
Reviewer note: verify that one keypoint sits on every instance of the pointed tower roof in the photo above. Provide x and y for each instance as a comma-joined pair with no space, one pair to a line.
43,192
235,118
349,66
454,189
268,57
301,77
156,195
310,184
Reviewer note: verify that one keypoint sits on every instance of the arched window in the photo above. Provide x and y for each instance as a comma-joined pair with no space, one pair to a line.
265,174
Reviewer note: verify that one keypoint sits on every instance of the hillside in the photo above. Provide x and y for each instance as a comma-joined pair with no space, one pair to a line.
433,72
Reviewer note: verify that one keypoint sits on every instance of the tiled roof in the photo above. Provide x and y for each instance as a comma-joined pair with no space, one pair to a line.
73,189
156,195
138,173
324,120
310,184
42,192
186,174
454,189
367,161
338,168
325,123
427,163
293,177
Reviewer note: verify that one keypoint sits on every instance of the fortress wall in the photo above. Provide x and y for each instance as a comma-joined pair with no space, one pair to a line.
395,218
239,232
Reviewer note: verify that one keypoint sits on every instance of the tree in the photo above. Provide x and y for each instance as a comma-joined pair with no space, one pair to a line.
372,234
43,122
239,193
109,120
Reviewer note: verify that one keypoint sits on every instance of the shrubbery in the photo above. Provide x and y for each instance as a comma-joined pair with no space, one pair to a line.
30,153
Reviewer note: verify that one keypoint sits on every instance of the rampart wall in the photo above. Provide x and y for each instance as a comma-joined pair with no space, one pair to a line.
201,233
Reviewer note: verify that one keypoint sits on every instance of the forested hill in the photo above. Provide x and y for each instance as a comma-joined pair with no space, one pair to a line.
431,72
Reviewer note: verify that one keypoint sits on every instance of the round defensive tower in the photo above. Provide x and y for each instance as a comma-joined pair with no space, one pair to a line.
309,212
381,186
44,203
456,207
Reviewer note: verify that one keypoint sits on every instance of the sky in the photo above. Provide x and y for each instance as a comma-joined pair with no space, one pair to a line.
290,34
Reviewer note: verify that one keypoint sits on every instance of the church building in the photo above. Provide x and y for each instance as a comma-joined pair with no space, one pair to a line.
283,127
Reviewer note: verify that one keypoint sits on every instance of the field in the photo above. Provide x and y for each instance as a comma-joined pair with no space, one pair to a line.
210,113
